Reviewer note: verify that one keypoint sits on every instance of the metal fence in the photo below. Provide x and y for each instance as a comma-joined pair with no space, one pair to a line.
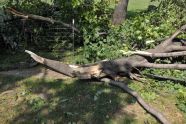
52,36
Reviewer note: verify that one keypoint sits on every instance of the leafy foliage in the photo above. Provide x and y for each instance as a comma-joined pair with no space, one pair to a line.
153,25
143,31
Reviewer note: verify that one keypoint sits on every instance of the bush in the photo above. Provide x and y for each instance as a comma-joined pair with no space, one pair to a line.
88,15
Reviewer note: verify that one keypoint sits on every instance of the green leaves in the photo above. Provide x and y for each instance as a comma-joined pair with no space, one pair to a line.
76,3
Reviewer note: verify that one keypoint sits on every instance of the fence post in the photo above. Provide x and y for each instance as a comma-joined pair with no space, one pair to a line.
73,39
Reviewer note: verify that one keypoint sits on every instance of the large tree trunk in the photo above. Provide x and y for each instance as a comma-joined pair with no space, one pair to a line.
120,12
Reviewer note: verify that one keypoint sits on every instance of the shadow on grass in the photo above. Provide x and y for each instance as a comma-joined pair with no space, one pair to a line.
72,101
66,101
8,83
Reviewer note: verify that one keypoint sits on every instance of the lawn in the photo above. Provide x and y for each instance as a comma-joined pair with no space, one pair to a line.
56,101
32,100
136,5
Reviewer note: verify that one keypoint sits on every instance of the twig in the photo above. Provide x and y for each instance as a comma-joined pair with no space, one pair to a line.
148,108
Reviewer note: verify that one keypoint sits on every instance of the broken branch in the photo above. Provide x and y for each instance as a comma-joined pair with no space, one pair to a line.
41,18
148,54
175,48
54,65
163,66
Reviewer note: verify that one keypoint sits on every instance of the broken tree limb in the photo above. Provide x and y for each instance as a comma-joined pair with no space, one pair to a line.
148,54
55,65
175,48
164,66
82,72
40,18
148,108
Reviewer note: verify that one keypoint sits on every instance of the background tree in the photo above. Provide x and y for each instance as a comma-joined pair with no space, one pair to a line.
120,12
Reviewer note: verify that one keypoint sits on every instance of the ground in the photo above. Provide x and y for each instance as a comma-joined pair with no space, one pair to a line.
38,95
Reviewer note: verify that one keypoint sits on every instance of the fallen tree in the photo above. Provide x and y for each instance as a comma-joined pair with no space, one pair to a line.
122,66
109,71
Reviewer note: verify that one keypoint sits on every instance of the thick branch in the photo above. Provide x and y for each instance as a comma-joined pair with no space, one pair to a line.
41,18
174,48
163,66
82,72
148,54
55,65
148,108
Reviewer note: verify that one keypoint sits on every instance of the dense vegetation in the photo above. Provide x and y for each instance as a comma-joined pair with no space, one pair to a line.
98,40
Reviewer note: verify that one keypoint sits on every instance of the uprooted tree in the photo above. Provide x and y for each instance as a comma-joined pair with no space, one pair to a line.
108,71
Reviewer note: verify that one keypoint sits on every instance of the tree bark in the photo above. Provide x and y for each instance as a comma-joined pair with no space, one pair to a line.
120,12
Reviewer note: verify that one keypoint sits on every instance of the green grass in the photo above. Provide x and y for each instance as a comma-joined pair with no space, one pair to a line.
138,5
9,60
58,101
32,100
